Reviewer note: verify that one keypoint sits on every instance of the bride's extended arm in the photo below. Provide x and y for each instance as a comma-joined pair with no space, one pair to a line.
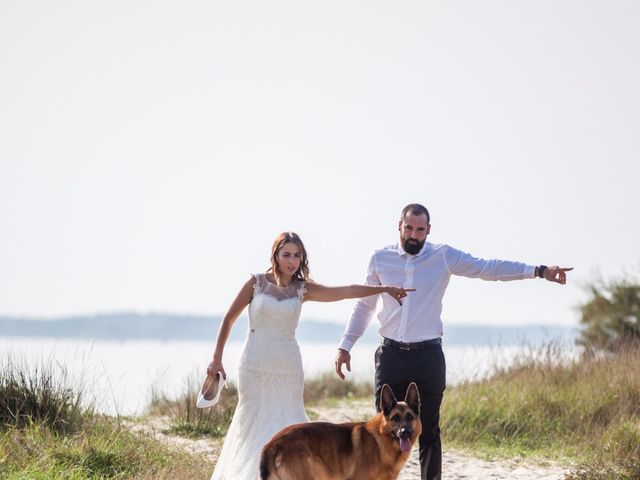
322,293
241,301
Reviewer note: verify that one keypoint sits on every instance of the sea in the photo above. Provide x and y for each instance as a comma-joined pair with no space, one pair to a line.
119,377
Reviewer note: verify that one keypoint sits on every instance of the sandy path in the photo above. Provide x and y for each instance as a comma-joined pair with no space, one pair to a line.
155,427
457,465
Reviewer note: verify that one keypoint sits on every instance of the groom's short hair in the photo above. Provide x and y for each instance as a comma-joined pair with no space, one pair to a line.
416,209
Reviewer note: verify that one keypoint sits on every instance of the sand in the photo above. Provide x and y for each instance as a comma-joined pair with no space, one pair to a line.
456,465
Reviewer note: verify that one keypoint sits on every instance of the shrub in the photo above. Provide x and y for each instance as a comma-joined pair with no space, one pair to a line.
611,317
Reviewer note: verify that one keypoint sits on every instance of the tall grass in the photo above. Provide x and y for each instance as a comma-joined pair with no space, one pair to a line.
101,450
328,386
48,432
551,405
42,394
187,420
545,404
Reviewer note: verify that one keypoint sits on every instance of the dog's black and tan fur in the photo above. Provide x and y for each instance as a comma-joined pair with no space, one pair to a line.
348,451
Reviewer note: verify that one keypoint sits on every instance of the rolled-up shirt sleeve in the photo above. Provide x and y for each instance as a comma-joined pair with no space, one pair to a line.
362,312
466,265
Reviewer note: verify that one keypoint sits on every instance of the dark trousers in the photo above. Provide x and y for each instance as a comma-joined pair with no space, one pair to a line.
426,367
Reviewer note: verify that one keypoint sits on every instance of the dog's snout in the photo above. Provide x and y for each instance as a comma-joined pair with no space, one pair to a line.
405,432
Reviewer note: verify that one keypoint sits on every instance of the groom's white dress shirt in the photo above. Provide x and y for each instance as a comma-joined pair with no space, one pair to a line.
428,272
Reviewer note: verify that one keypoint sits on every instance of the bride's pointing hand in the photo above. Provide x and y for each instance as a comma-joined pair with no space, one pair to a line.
398,292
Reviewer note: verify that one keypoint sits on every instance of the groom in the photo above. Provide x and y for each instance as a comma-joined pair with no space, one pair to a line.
411,349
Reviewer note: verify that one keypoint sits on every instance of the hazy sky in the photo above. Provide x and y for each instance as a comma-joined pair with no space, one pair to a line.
150,151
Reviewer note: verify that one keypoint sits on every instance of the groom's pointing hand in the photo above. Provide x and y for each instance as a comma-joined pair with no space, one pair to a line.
343,357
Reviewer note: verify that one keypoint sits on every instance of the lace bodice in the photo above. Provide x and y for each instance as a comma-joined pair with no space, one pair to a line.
275,310
273,318
263,285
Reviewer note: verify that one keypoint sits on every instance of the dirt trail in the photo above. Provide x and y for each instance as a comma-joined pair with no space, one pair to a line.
456,465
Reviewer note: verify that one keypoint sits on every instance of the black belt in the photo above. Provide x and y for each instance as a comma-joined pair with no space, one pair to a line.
412,346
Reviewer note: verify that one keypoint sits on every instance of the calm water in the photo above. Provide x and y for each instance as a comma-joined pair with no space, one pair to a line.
121,375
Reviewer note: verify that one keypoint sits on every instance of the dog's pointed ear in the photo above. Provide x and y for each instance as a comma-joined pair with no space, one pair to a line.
387,399
412,398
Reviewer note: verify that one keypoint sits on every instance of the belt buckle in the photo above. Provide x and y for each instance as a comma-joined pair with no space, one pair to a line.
404,346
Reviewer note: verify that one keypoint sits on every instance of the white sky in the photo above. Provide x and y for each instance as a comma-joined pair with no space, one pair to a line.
150,151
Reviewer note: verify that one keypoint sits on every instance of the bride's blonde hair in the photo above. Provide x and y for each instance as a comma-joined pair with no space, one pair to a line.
302,274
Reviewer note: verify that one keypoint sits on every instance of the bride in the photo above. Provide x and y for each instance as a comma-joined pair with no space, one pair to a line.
270,377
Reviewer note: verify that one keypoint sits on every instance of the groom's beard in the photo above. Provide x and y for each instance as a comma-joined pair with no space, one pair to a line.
412,246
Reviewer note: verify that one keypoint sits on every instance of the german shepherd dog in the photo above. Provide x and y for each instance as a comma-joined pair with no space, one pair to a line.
373,450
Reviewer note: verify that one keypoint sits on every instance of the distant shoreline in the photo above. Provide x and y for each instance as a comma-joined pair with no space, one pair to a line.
135,326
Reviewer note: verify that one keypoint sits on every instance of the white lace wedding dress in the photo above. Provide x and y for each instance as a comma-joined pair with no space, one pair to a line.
270,379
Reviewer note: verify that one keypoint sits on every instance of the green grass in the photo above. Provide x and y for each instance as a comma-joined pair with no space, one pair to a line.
546,406
47,433
102,450
327,387
192,422
188,421
41,395
585,411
